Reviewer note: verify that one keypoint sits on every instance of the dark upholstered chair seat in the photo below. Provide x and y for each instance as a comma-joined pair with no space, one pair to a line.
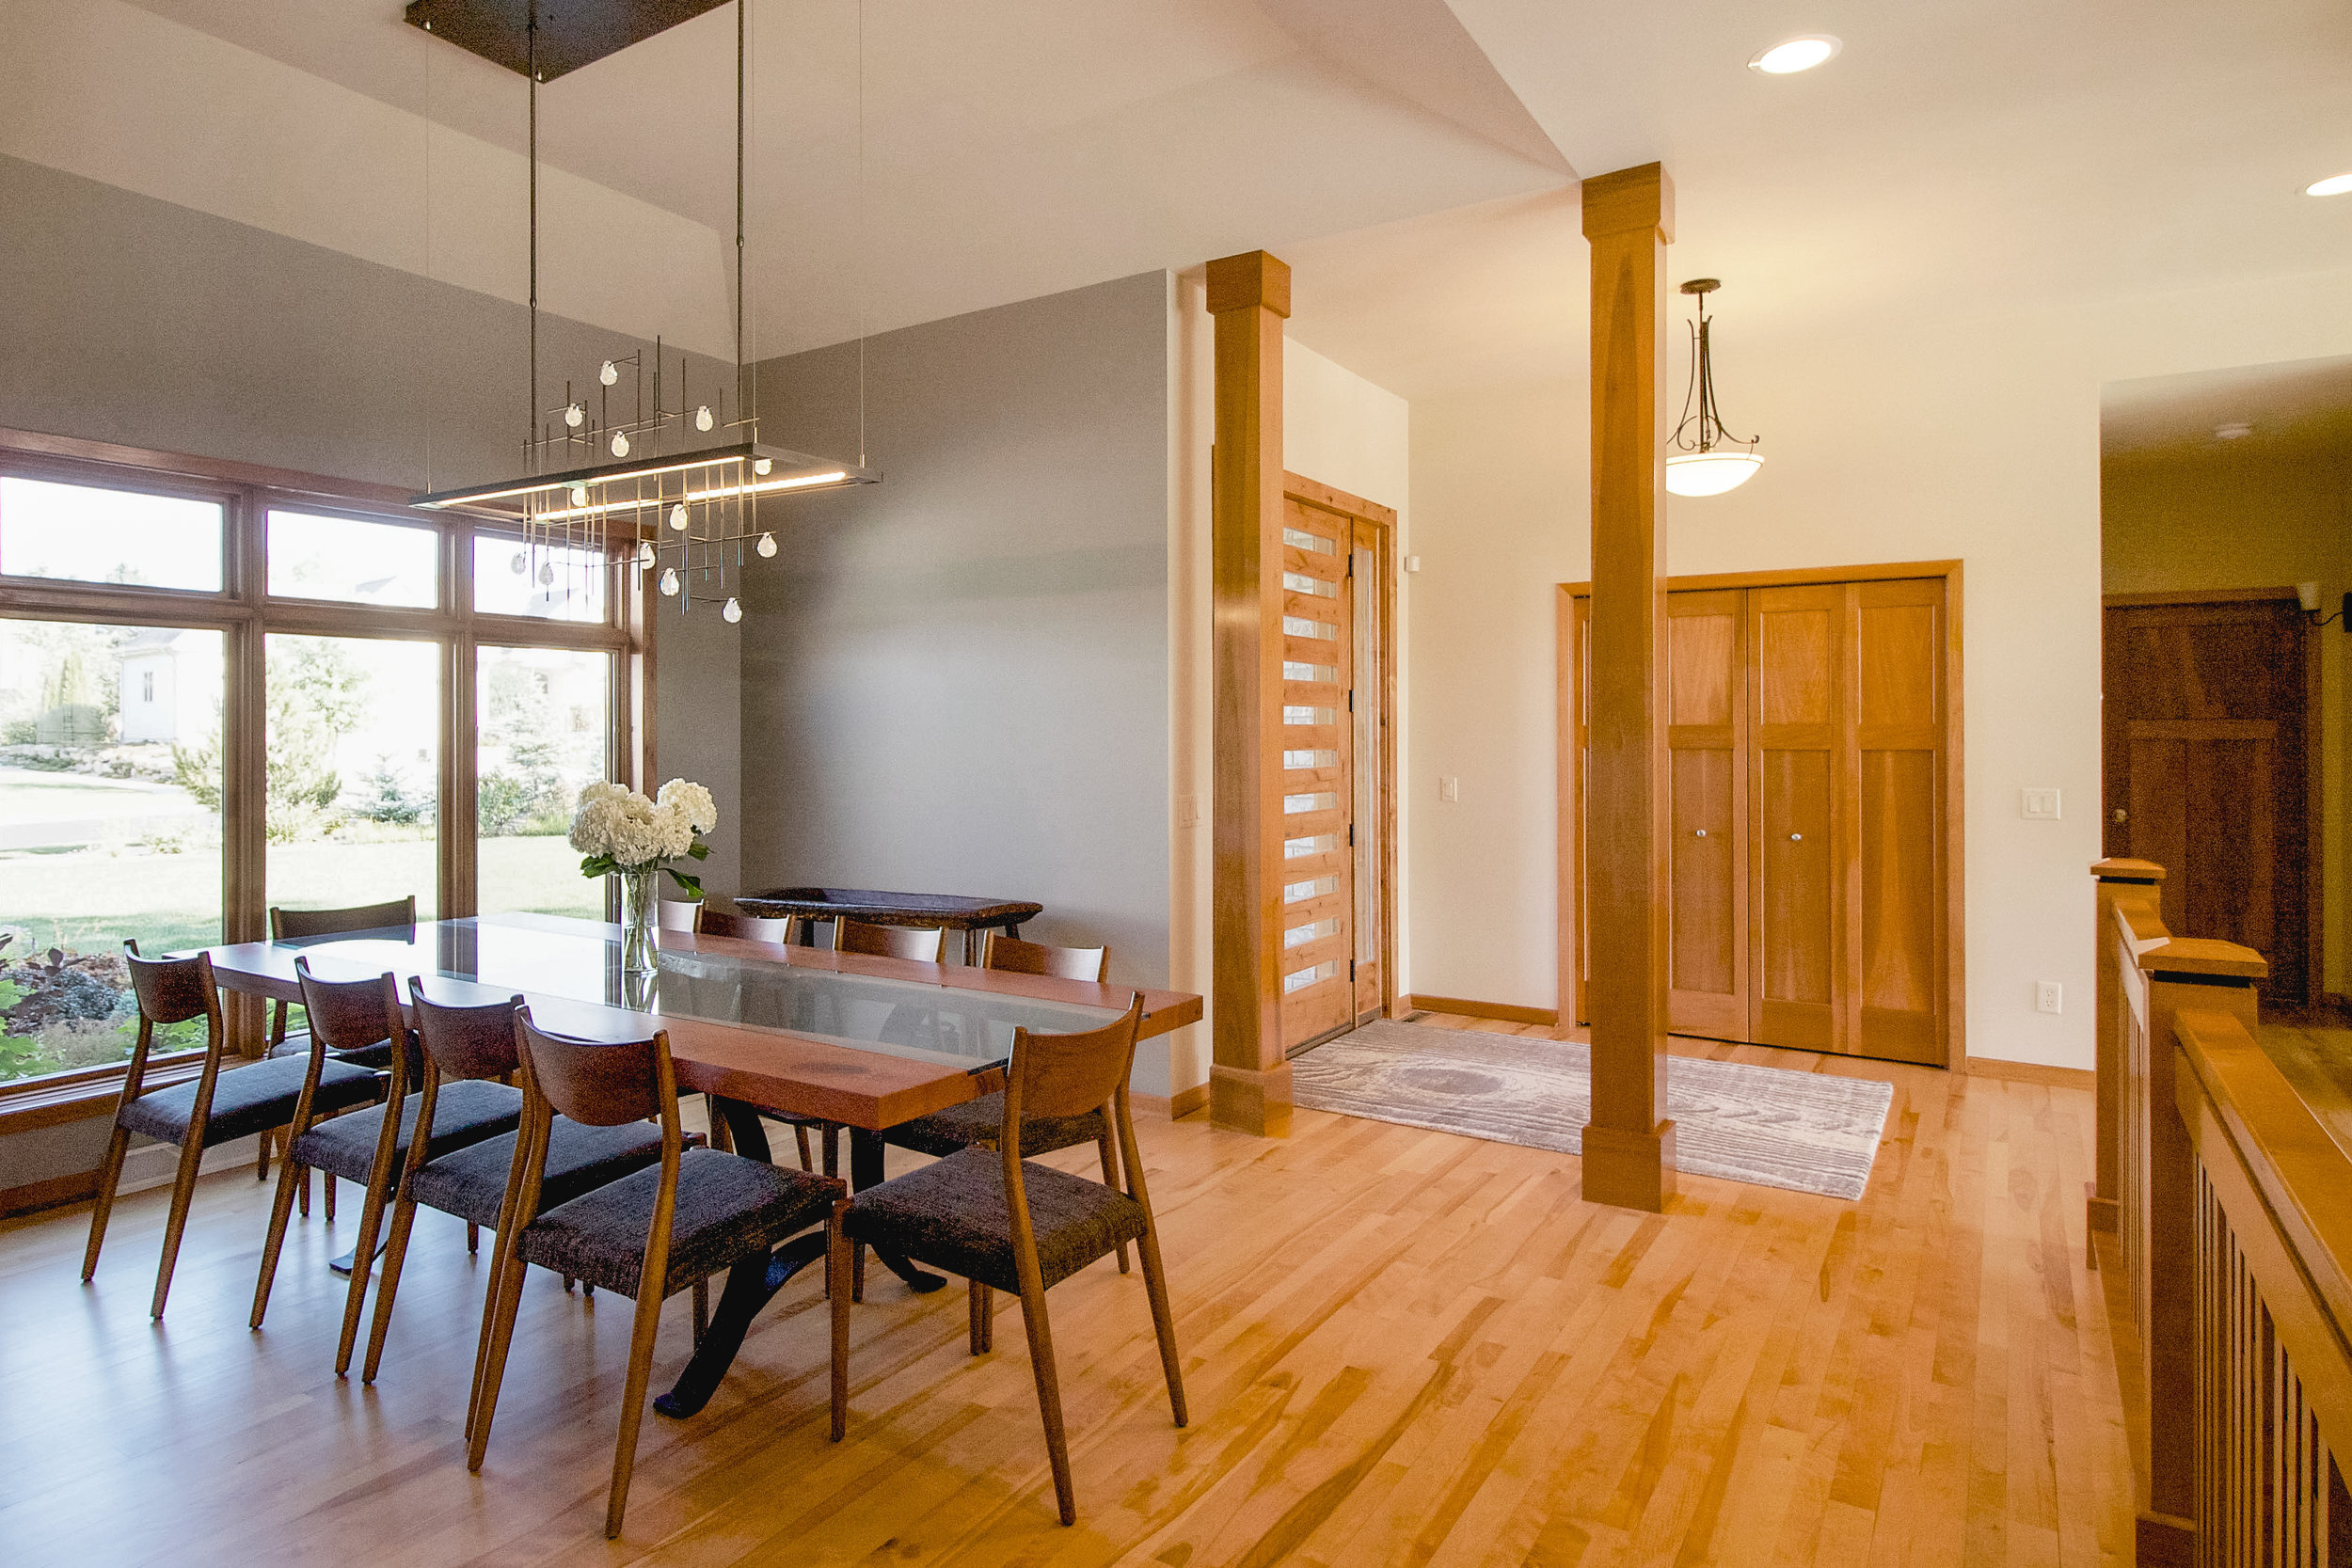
467,1113
727,1206
248,1100
470,1182
982,1121
951,1213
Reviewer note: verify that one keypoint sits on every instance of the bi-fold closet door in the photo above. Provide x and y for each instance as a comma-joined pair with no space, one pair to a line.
1808,855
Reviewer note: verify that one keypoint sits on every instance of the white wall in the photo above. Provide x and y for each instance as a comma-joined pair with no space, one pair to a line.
1893,442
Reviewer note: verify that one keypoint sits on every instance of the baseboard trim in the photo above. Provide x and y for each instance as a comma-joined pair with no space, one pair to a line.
2033,1073
56,1193
1184,1102
145,1167
1507,1012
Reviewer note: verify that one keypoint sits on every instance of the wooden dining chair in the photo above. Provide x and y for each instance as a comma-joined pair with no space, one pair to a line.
885,942
287,925
782,929
369,1147
1007,1223
1012,955
750,927
458,1044
975,1123
212,1108
648,1235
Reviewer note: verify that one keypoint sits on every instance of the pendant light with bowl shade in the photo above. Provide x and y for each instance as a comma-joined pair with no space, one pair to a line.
1703,458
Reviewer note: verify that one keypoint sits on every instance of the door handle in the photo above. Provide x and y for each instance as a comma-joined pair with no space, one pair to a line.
1796,838
2122,816
1699,832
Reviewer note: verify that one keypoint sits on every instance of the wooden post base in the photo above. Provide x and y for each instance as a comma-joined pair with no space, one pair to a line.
2164,1540
2101,1216
1246,1100
1631,1170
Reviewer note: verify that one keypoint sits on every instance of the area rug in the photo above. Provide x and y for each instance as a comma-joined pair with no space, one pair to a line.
1807,1132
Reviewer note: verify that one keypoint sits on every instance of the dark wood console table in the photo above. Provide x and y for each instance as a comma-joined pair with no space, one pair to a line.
924,911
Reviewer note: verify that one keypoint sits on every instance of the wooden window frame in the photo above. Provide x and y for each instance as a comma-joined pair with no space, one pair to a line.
243,611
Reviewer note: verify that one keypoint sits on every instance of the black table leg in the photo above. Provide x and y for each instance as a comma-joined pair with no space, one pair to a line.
751,1285
865,1170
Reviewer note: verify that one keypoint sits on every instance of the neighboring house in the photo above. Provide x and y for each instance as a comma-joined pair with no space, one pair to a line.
165,696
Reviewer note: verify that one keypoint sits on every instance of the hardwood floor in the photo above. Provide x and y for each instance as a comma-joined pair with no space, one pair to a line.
1401,1347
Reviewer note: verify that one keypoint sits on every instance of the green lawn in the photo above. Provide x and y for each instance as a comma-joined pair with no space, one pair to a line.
88,900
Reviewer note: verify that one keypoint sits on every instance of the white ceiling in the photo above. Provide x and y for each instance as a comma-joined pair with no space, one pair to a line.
1411,158
2303,407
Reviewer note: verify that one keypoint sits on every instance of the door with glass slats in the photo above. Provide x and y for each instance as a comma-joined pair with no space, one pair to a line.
1317,941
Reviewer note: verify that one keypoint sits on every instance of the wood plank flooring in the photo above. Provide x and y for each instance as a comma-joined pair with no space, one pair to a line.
1402,1347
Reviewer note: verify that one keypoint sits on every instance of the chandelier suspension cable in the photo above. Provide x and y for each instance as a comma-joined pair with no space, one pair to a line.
742,12
530,77
863,286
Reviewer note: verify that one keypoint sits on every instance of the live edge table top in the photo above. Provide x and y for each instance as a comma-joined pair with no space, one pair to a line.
864,1041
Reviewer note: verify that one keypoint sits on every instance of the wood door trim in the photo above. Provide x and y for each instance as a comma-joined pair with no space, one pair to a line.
2196,595
1568,795
1383,521
1803,577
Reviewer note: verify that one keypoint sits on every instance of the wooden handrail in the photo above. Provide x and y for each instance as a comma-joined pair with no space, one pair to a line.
2272,1288
2121,883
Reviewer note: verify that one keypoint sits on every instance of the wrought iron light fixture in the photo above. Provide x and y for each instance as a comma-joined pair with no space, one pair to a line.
1706,460
633,489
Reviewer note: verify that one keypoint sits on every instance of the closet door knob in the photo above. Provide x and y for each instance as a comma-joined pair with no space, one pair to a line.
1699,832
1796,838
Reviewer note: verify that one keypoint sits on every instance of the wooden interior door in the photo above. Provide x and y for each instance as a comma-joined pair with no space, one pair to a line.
1318,939
1707,702
1369,701
1900,854
2207,773
1801,741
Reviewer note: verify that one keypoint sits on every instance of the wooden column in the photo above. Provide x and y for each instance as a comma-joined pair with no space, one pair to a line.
1629,1146
2186,973
2119,880
1249,1079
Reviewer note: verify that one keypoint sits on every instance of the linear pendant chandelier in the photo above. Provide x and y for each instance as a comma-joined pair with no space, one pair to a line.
672,491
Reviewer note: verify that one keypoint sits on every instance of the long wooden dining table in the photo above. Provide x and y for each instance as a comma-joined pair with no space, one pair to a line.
759,1026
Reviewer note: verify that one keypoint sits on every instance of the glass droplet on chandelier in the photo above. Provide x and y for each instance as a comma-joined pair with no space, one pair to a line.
678,516
669,582
766,545
732,611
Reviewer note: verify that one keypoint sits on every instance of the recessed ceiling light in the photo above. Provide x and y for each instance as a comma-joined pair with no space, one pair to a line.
1797,54
2335,184
2236,431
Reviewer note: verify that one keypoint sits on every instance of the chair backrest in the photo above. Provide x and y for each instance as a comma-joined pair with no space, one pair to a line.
292,924
171,990
351,1015
751,927
885,942
679,914
596,1082
1015,956
1067,1075
475,1040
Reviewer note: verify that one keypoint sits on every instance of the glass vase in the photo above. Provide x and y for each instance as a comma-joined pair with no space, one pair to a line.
641,922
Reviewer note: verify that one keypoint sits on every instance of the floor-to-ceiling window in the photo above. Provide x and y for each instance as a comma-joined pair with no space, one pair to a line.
219,694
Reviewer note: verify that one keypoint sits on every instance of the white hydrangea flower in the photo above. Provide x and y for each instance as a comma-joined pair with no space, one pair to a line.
694,801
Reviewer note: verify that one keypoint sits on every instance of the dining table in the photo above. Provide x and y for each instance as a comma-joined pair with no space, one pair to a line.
761,1027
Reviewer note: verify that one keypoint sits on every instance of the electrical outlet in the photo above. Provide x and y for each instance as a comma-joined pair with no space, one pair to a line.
1448,787
2048,997
2041,805
1412,563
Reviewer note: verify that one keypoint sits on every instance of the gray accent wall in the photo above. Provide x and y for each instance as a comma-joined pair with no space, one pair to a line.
139,321
957,681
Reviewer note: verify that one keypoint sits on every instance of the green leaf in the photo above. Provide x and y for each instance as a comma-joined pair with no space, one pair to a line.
701,851
690,886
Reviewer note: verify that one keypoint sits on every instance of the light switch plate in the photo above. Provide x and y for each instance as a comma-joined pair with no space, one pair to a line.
1448,787
2041,805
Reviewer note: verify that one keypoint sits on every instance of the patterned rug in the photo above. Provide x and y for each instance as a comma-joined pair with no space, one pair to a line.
1807,1132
